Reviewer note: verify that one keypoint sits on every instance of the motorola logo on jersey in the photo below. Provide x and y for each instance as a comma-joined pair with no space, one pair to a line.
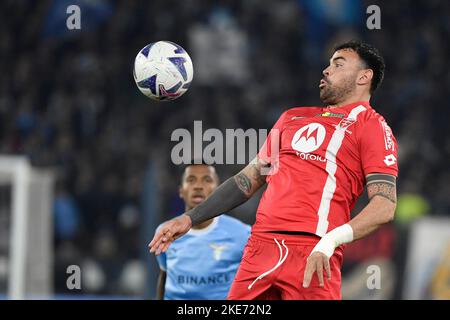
308,138
310,156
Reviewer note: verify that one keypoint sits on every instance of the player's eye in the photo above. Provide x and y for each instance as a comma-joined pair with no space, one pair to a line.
208,180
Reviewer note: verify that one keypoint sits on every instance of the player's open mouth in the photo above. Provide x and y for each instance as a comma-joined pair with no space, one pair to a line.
322,83
198,199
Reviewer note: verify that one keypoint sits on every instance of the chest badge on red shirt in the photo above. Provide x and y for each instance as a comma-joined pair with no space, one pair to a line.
347,122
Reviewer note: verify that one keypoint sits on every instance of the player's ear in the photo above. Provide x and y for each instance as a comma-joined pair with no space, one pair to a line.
180,192
365,77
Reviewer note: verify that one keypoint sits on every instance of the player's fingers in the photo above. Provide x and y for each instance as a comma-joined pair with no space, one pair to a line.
166,246
167,235
165,243
155,238
309,270
319,267
161,236
159,248
154,244
327,268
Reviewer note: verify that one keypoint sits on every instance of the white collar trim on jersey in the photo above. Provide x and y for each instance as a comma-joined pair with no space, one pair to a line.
197,232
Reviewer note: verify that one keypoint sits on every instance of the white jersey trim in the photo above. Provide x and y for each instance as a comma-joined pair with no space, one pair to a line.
330,185
211,227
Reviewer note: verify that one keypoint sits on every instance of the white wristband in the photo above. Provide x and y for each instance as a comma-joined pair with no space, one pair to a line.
333,239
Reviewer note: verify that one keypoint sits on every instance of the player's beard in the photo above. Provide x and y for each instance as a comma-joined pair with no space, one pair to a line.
332,94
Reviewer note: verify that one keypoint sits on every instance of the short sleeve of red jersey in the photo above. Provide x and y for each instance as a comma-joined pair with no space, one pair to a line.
378,148
272,143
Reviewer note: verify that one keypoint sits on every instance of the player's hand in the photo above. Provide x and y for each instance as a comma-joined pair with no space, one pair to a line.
168,232
316,263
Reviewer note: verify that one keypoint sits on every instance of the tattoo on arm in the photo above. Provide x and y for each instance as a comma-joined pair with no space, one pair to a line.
256,174
243,183
250,178
382,185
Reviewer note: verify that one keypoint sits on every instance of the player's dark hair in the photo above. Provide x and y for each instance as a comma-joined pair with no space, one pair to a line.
194,162
371,58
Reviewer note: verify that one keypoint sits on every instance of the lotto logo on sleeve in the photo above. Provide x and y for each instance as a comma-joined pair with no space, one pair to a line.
390,160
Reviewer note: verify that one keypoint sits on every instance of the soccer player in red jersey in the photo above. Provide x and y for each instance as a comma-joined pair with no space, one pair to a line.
318,160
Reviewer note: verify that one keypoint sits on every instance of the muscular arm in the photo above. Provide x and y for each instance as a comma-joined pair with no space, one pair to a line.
230,194
161,285
380,210
381,189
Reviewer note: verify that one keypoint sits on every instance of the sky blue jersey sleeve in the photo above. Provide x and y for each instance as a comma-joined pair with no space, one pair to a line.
162,261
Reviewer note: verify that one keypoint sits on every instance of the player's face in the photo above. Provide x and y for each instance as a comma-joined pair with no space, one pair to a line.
198,182
339,78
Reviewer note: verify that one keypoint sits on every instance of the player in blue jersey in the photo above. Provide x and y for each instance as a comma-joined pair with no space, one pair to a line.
202,264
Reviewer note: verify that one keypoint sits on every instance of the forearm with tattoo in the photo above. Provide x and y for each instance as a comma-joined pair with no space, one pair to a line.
230,194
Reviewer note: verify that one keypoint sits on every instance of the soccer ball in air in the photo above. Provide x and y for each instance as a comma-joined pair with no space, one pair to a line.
163,70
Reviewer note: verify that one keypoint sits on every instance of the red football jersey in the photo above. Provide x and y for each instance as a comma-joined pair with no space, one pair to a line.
320,158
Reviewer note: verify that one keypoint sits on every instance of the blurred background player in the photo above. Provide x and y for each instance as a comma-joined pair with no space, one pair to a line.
202,265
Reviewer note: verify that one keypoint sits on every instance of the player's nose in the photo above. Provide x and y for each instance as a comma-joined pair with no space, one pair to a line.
198,187
326,72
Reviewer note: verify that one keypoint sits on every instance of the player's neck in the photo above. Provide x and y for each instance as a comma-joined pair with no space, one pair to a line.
203,225
350,100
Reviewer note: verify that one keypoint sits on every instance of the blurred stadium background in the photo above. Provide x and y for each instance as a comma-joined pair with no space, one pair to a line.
85,165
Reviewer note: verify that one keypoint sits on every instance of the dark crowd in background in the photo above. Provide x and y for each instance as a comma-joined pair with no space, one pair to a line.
68,101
